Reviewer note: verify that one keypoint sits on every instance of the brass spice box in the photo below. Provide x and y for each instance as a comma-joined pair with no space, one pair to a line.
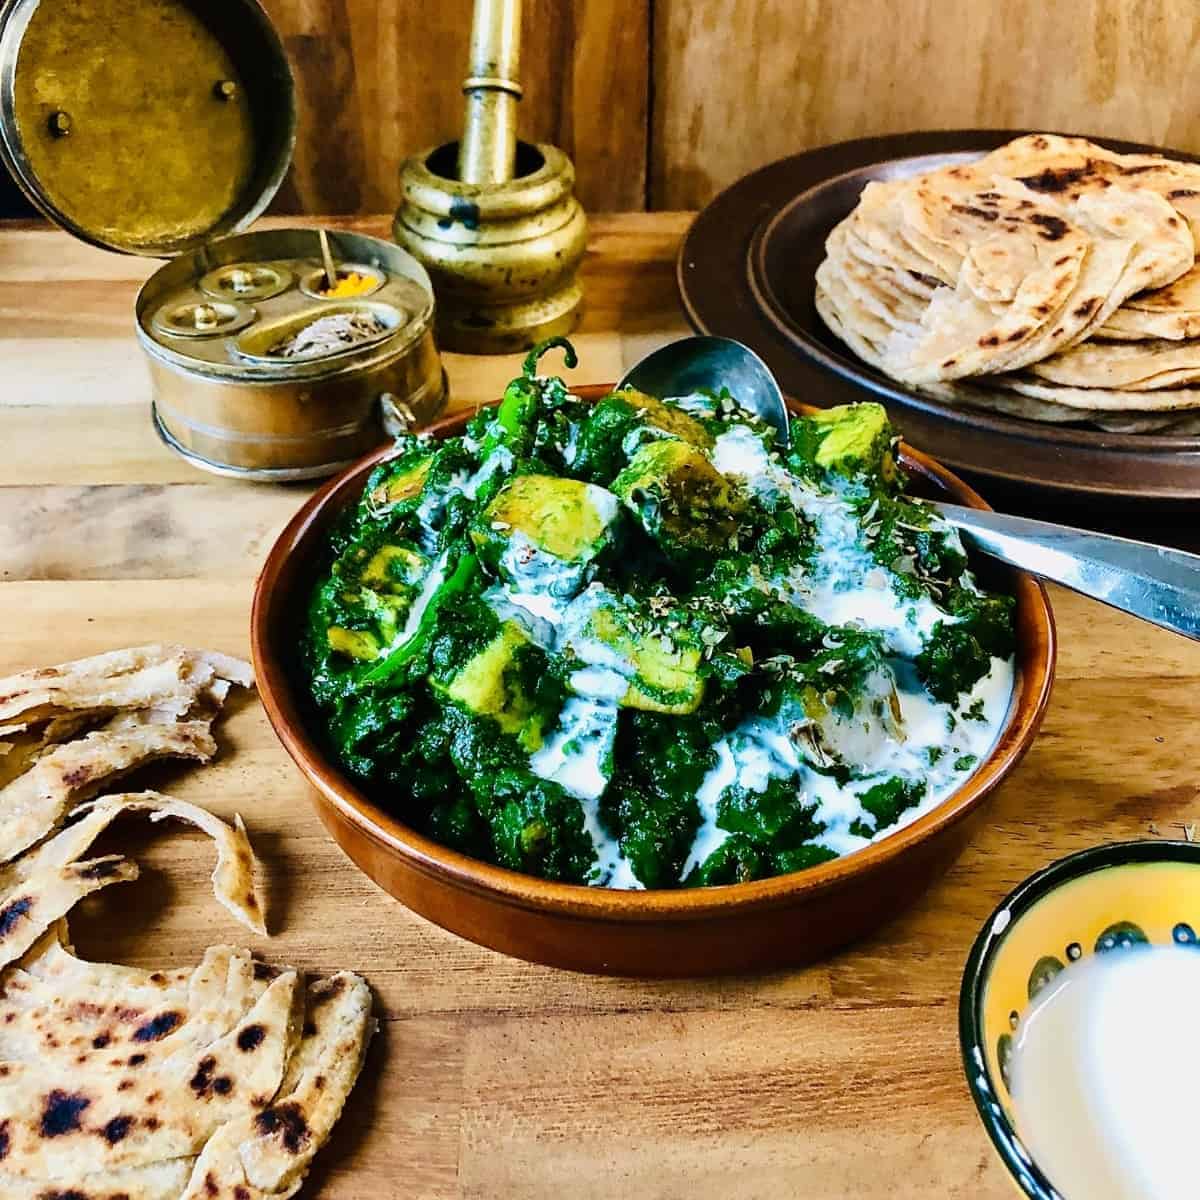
160,128
229,402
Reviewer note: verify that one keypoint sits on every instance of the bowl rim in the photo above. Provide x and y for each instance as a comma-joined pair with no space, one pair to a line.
581,901
1025,896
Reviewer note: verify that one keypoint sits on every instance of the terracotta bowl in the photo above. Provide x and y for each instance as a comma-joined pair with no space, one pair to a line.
1108,900
768,923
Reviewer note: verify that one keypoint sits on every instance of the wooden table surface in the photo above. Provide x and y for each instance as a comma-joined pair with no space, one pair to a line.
492,1078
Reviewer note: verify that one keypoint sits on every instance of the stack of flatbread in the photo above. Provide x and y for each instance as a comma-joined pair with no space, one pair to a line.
217,1083
1051,279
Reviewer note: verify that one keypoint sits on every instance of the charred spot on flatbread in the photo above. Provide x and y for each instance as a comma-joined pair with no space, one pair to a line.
287,1122
157,1027
1053,228
117,1129
975,210
62,1112
1056,179
250,1038
13,913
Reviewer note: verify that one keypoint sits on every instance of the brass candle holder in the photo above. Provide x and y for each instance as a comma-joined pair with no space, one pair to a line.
494,220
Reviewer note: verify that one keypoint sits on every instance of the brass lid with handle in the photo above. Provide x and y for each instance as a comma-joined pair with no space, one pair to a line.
149,127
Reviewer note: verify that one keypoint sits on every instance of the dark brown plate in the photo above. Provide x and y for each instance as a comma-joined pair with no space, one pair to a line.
746,270
702,931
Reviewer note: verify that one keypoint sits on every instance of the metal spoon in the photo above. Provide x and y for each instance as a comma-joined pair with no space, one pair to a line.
1159,585
708,364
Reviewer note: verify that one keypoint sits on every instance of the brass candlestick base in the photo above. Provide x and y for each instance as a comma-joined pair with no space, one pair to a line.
503,256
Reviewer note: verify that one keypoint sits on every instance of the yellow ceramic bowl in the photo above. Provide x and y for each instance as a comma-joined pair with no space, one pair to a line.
1100,901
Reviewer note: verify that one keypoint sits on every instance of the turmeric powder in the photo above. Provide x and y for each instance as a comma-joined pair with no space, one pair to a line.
350,284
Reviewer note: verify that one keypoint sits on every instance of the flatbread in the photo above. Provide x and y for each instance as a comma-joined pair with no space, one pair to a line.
1129,323
233,878
1163,424
991,396
1118,365
270,1153
999,241
880,292
877,222
1021,399
63,1004
169,679
52,961
831,281
1124,254
63,1123
118,1083
832,314
1071,167
95,1022
28,745
1132,240
36,803
1167,400
158,1181
32,906
44,885
943,282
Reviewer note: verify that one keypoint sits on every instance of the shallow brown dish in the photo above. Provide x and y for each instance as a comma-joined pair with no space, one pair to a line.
769,923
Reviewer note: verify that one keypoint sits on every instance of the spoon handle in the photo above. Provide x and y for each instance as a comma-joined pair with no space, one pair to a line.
331,275
1152,582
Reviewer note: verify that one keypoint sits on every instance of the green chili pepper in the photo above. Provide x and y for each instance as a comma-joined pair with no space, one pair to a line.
515,424
453,585
529,368
516,418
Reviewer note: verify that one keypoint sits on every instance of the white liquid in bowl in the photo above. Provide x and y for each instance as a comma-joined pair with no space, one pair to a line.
1105,1072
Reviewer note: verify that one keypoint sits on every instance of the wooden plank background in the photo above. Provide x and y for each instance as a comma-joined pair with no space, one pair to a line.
378,80
663,102
739,83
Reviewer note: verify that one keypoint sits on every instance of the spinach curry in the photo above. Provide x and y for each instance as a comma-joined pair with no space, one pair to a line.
631,644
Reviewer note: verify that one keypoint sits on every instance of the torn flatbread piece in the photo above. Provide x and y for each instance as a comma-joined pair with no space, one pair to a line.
26,746
136,1066
269,1154
123,1112
165,678
31,907
91,1016
36,803
52,961
117,1083
233,879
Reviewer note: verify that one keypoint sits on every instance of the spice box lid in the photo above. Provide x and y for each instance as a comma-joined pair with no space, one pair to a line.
149,127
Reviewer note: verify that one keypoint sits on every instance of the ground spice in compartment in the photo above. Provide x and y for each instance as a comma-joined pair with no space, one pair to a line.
351,284
329,335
